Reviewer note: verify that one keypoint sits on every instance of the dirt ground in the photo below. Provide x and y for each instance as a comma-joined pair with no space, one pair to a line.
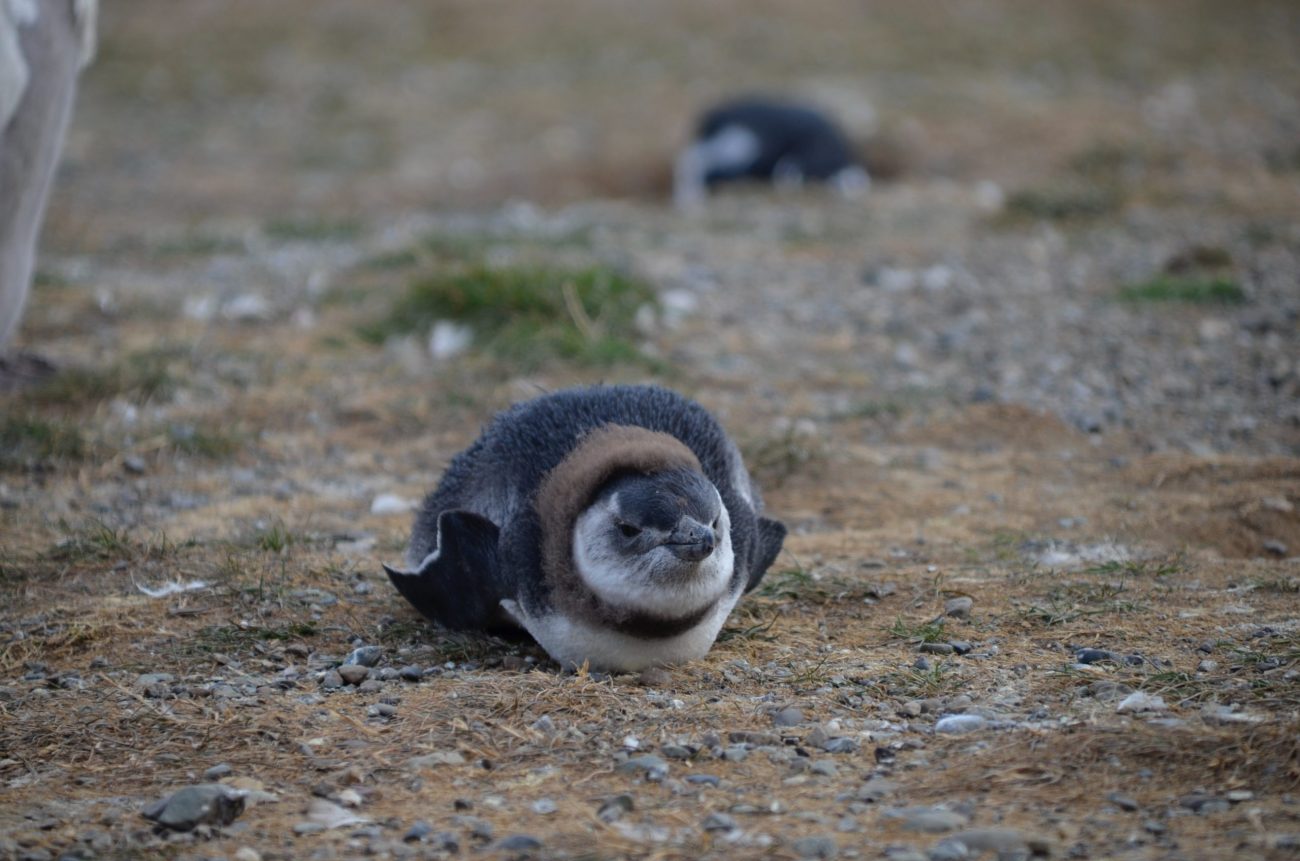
1050,365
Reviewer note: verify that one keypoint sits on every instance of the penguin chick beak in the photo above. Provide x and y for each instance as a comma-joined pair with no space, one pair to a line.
691,541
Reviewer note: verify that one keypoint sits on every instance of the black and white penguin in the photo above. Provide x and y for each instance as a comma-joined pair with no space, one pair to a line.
769,141
617,525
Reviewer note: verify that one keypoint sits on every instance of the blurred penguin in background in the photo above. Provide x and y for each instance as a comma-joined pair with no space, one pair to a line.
764,140
43,45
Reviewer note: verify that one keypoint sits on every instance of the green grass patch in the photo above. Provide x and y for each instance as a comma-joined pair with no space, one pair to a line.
1062,203
527,314
27,440
232,638
1188,290
918,632
203,442
140,377
312,229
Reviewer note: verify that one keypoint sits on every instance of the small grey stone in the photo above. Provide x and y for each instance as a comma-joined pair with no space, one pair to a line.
1154,827
1004,842
719,822
841,745
518,843
921,664
961,647
1107,691
384,674
904,853
370,686
938,648
675,751
1237,796
383,710
932,820
948,849
1207,666
418,831
148,680
704,779
1122,801
787,717
410,673
815,847
614,808
1277,548
958,607
735,753
353,674
133,464
653,766
435,759
544,806
959,723
1095,656
330,681
217,772
824,767
304,828
203,804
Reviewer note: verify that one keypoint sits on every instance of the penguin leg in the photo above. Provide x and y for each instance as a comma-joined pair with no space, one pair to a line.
459,585
771,534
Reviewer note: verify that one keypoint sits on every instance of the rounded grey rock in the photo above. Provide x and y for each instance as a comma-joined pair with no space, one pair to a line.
815,847
353,674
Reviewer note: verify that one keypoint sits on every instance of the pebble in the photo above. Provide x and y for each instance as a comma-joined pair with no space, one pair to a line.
1207,666
217,772
948,850
418,831
435,759
247,853
815,847
959,723
1095,656
735,753
937,648
903,853
148,680
370,686
654,767
365,656
1122,801
1107,691
1004,842
704,779
410,673
932,820
958,607
719,822
675,751
353,674
203,804
614,808
961,647
787,717
655,677
383,710
544,806
518,843
331,680
841,745
1139,701
921,664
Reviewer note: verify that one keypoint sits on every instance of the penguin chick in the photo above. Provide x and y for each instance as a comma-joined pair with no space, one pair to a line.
769,141
615,525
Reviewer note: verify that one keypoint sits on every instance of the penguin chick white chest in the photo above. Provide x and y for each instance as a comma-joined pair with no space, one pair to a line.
622,541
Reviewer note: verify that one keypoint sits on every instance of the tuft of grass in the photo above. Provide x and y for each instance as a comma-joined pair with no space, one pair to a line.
231,638
776,457
96,540
201,442
140,376
28,439
527,314
312,229
1190,290
1062,203
919,632
276,538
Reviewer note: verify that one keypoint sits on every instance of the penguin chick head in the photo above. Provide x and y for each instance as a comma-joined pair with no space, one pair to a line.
657,543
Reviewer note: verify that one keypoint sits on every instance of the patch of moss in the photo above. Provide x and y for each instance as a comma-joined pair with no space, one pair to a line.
527,314
1190,290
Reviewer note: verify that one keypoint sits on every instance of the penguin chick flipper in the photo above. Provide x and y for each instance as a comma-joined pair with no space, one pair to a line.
771,534
459,585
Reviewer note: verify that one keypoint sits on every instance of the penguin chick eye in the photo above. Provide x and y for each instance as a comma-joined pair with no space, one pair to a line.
714,524
628,530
